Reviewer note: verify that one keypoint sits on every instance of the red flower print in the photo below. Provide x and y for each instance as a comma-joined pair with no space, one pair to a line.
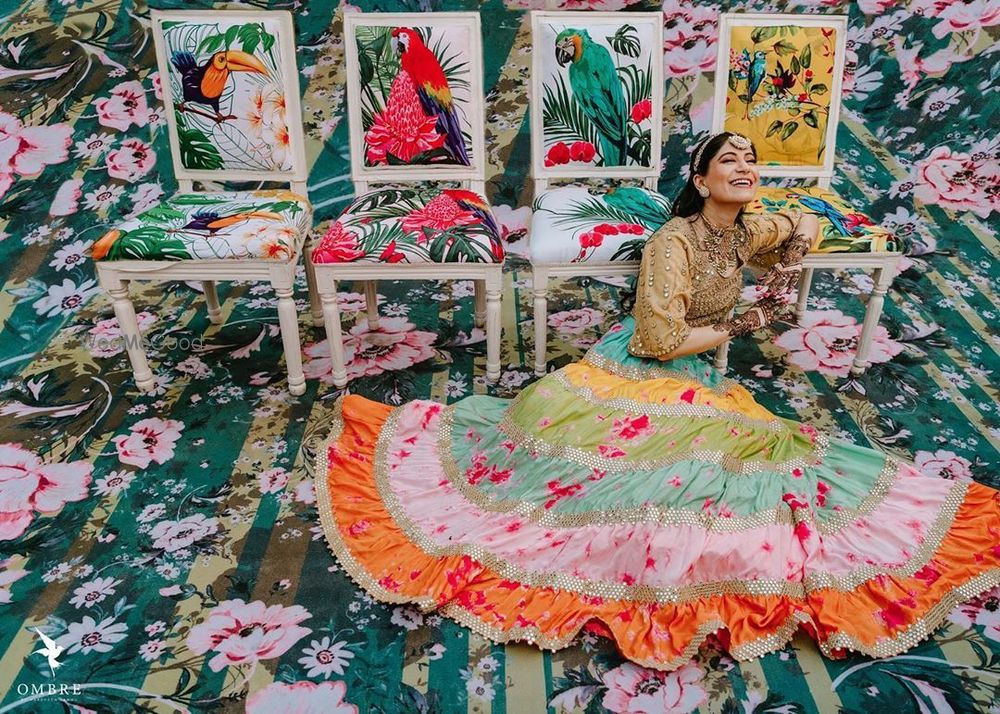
609,451
582,151
480,470
557,154
337,246
403,129
688,396
390,254
853,220
440,214
629,428
642,110
560,492
928,574
822,488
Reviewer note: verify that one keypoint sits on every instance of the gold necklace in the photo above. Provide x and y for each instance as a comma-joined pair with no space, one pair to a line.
725,247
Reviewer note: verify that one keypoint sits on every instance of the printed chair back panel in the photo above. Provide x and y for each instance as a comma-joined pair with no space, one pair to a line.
415,95
230,86
597,94
779,83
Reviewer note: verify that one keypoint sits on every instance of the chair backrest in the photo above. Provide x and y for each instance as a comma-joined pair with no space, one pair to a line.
778,82
596,96
231,92
415,98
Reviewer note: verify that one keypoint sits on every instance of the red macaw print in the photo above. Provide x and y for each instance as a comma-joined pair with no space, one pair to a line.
432,88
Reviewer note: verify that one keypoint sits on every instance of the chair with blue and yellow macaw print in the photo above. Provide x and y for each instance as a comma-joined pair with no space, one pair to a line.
596,112
415,112
779,83
230,90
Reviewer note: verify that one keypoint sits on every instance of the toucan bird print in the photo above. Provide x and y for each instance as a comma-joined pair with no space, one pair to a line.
211,222
204,83
428,76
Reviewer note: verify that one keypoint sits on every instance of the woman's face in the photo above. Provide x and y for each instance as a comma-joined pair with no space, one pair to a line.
732,175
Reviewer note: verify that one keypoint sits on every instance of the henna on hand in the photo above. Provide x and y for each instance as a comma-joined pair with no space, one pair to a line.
759,315
783,276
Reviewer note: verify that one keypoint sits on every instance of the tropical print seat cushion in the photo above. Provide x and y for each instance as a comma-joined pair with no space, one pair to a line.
413,225
843,229
236,225
573,224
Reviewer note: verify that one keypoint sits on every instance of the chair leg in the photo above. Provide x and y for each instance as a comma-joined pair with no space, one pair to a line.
212,302
494,290
315,308
129,326
539,285
334,338
805,282
722,352
371,303
480,287
882,277
289,322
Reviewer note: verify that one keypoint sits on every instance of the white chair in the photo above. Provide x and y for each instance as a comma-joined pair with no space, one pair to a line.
408,128
230,89
583,130
778,82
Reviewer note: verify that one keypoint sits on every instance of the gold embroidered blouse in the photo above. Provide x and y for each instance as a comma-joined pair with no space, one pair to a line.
690,277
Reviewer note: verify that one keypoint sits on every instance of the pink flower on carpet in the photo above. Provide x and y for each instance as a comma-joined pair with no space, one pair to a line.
689,37
130,161
10,572
573,322
968,16
244,633
301,698
105,337
337,246
272,480
403,128
956,181
394,345
29,486
943,464
126,106
171,536
631,688
983,611
822,341
67,198
150,440
641,111
630,428
27,150
440,214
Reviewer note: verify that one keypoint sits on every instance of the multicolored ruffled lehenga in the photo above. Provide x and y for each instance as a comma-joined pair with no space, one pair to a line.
655,503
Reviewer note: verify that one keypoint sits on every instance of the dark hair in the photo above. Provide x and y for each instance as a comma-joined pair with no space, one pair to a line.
689,202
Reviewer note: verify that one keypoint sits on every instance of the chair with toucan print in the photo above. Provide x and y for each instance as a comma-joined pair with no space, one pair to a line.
231,94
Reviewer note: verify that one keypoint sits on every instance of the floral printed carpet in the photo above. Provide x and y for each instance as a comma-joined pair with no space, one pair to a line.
169,542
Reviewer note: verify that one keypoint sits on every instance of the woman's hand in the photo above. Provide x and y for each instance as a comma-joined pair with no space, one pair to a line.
759,315
781,279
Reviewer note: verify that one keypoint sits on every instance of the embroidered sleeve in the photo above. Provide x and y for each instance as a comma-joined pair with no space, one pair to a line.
663,293
769,232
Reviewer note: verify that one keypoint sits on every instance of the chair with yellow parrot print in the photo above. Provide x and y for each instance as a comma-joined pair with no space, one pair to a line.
779,82
416,125
230,90
596,113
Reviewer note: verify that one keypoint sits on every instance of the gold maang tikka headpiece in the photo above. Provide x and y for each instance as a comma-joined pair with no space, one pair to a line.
737,140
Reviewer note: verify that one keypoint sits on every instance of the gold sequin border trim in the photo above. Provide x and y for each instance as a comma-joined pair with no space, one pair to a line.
838,520
537,513
694,411
725,460
635,374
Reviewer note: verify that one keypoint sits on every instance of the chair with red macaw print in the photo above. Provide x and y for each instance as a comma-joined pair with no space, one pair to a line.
231,96
596,113
415,113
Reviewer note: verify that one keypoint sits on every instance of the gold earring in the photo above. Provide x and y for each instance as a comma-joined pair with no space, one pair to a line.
704,192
